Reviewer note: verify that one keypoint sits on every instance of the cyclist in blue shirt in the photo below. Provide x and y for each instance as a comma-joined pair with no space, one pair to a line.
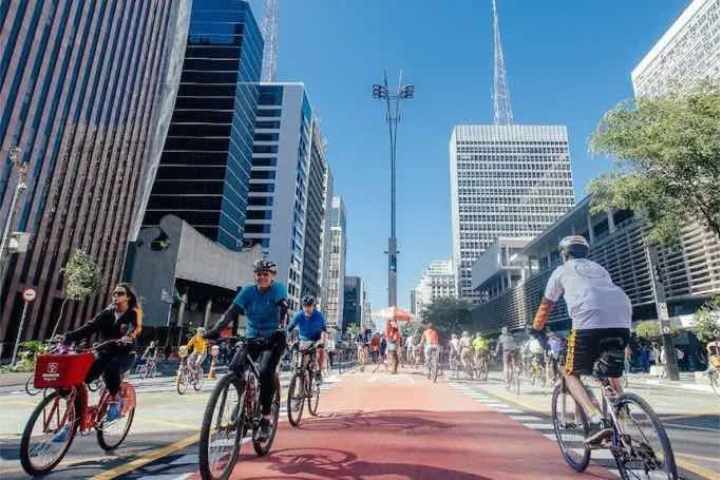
264,303
311,326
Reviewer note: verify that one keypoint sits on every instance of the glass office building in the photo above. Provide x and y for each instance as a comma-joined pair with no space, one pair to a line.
204,174
84,87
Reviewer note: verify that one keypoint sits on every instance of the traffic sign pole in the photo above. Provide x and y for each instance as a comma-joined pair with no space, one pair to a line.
29,296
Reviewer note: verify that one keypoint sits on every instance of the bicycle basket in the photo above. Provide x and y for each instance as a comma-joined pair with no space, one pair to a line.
62,371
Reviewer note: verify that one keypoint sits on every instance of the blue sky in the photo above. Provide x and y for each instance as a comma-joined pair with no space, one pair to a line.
568,62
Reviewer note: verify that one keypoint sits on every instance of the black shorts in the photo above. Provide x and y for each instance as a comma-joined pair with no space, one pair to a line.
584,349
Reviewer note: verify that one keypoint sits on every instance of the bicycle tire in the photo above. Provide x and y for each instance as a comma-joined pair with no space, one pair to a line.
314,397
128,393
181,383
295,383
30,387
25,459
715,382
435,370
516,382
263,448
223,385
669,466
197,384
582,463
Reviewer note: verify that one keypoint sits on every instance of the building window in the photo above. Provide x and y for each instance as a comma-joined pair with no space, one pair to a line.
257,228
262,187
267,137
262,174
264,162
267,124
271,96
265,149
259,214
273,112
261,201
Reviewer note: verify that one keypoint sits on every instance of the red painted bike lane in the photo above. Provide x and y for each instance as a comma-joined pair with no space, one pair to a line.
378,426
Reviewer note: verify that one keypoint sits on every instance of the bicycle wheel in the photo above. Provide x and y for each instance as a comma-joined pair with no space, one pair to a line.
571,427
197,380
435,370
516,382
263,448
49,432
715,382
313,396
222,429
295,400
30,387
110,435
181,382
642,449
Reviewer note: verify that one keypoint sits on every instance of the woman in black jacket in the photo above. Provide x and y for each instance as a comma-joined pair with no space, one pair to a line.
121,321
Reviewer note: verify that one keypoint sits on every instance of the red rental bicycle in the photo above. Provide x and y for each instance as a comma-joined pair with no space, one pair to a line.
66,408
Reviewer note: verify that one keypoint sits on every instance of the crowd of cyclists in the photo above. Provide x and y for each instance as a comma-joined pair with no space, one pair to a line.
600,312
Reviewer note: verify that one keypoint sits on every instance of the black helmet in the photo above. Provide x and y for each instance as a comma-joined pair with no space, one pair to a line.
265,266
308,300
575,246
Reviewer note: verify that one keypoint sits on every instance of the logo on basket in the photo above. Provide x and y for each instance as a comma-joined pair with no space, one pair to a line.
51,372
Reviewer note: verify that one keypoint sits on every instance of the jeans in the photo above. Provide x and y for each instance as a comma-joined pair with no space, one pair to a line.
266,353
111,366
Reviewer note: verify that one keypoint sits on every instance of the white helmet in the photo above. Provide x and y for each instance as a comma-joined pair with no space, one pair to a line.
575,246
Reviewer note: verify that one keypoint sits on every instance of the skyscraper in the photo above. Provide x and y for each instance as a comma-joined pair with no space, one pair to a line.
686,54
508,181
353,302
288,186
85,90
334,298
437,281
204,174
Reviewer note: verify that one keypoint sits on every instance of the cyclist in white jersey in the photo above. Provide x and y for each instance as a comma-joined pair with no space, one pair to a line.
599,310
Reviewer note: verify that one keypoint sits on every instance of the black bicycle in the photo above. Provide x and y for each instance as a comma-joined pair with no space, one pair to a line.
304,383
233,411
639,443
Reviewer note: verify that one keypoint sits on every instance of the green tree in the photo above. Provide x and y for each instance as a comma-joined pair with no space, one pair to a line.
707,321
666,154
80,278
449,315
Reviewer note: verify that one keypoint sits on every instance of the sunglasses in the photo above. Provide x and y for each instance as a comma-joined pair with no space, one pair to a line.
119,293
262,274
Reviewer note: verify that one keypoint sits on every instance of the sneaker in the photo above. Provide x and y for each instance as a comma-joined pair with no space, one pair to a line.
602,433
61,435
318,377
114,411
264,432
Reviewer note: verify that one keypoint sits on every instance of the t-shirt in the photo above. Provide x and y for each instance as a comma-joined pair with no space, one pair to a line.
465,342
310,328
455,344
198,344
508,343
534,346
593,300
480,344
262,309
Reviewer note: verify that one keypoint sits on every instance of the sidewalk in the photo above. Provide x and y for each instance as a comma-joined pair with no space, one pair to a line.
12,379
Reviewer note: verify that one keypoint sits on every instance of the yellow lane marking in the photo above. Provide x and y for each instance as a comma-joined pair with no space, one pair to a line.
18,403
706,473
698,457
148,458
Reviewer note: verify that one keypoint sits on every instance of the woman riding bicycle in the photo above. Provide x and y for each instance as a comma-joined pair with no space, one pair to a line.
121,321
264,303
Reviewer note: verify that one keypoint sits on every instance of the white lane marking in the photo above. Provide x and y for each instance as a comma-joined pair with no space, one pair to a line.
539,426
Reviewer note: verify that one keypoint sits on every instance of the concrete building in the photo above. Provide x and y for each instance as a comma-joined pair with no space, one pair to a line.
88,100
204,174
510,181
686,54
689,272
500,268
335,293
327,238
186,279
288,186
437,281
366,318
353,302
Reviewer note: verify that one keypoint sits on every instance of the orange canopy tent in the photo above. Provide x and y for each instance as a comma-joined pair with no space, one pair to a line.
397,313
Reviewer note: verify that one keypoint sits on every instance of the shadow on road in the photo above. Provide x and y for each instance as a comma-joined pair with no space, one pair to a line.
403,421
331,463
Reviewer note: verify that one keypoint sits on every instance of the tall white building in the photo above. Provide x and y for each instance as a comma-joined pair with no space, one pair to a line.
438,281
288,187
686,54
509,181
334,296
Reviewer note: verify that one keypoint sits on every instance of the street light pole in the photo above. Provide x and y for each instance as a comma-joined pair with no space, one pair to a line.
392,103
19,189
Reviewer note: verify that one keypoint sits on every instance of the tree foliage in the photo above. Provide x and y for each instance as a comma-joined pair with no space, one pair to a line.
80,280
449,315
666,154
650,330
707,321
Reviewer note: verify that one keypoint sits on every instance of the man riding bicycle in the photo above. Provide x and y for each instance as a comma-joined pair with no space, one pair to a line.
431,341
311,326
510,349
481,347
599,310
466,352
198,345
264,303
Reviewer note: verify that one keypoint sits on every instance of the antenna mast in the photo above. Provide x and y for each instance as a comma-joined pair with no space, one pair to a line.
501,91
270,34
